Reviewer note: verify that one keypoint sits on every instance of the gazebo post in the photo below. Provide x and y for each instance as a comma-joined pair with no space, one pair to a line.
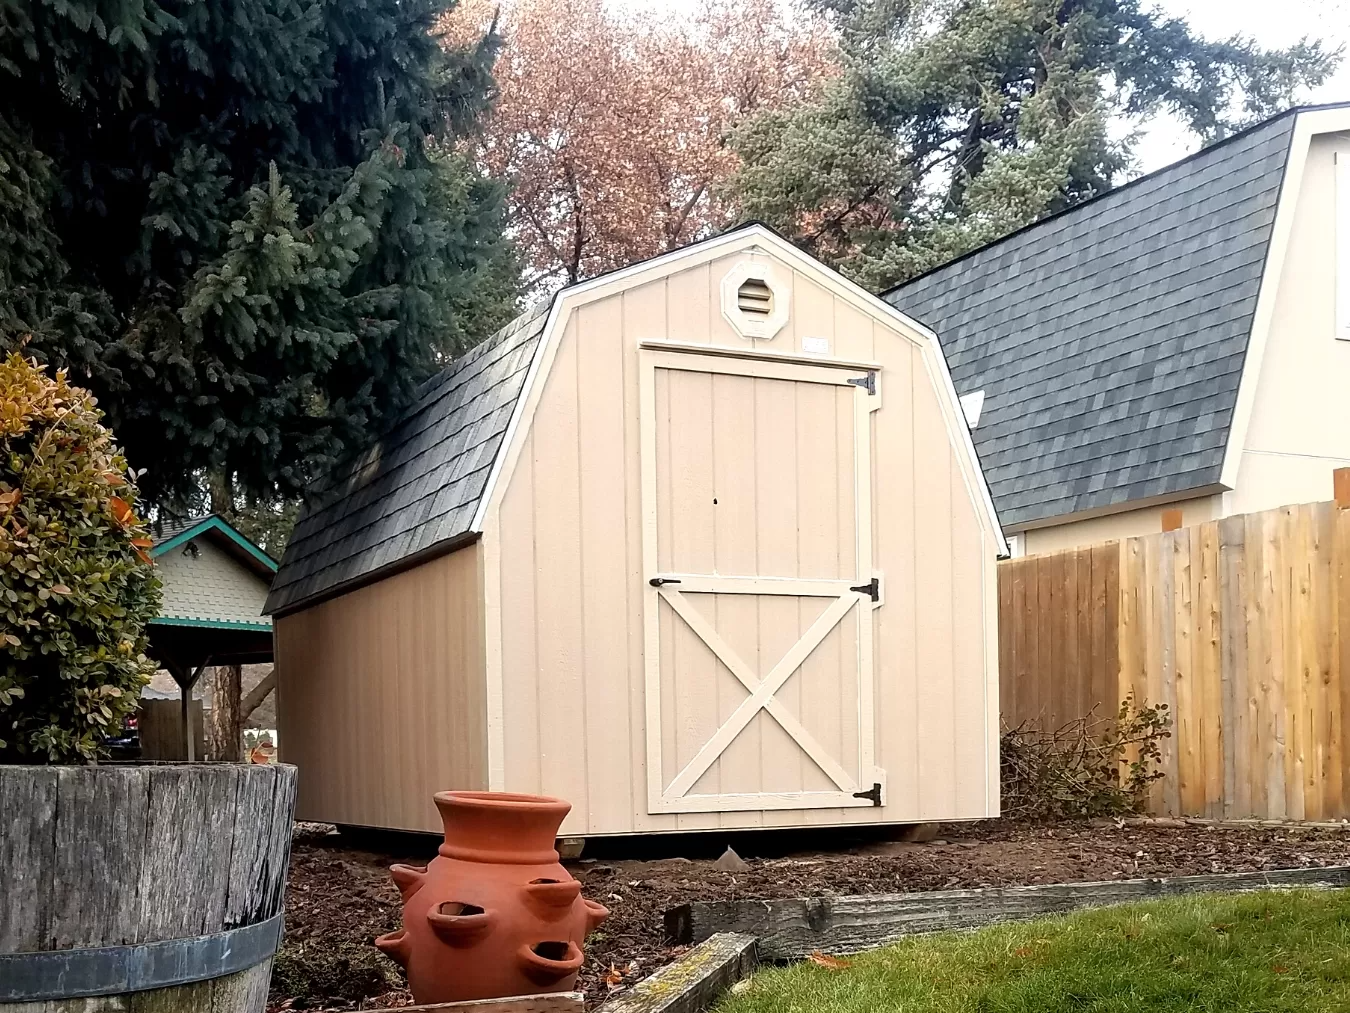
185,684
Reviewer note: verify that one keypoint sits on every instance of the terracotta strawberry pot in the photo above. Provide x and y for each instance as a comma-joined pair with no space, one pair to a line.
495,914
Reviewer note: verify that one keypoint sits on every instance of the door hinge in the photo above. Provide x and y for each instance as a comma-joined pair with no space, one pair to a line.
868,382
872,589
874,793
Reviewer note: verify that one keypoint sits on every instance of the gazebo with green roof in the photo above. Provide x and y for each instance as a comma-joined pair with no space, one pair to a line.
215,583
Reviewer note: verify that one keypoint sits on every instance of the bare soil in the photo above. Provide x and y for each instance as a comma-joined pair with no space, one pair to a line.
340,895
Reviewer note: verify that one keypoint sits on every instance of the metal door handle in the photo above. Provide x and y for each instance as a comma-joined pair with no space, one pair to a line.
658,581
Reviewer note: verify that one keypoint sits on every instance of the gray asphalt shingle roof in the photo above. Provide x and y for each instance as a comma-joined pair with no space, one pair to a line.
420,485
1109,339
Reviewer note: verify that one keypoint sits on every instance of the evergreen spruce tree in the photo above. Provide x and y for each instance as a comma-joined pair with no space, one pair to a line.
955,122
246,225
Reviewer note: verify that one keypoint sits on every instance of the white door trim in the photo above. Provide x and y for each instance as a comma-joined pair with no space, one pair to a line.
848,600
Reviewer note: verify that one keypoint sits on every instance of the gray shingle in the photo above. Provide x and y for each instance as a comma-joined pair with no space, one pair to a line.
419,485
1109,339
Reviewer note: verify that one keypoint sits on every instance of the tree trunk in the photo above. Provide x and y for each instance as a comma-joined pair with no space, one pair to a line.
225,734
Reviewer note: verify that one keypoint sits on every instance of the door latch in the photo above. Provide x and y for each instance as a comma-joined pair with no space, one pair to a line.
872,589
658,581
873,793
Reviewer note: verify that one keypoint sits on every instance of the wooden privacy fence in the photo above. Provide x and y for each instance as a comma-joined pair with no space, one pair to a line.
1241,626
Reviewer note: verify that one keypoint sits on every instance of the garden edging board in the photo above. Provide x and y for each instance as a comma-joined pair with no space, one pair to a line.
793,928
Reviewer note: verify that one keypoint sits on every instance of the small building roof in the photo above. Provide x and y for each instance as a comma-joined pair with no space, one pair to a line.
418,487
214,582
1109,339
217,579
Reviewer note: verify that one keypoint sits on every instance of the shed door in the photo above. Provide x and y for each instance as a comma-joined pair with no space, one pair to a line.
756,495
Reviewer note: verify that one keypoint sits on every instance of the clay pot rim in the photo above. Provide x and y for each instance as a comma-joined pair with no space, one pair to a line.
503,800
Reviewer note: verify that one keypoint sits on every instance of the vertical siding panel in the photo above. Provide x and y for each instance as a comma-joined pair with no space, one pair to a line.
933,553
697,713
781,622
344,680
853,335
520,637
736,522
603,512
971,766
893,486
558,602
645,315
812,316
691,304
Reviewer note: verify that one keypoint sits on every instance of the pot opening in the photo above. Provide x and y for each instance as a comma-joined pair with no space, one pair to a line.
551,950
534,881
456,908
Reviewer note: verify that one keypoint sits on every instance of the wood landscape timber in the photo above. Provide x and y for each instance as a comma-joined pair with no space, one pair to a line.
693,982
556,1002
791,929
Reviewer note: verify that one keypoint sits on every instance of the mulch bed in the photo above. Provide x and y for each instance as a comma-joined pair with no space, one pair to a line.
340,896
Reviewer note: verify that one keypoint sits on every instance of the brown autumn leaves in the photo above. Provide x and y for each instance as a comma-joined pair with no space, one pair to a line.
612,122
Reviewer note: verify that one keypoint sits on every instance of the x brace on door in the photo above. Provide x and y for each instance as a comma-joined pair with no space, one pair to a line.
761,693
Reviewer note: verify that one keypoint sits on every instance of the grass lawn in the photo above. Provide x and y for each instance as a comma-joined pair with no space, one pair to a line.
1256,952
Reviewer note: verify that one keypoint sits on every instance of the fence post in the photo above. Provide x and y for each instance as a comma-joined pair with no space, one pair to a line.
1340,482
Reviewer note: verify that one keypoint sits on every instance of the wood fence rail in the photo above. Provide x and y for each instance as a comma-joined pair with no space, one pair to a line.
1240,625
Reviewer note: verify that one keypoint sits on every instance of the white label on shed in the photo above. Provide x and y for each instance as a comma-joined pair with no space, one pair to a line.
819,345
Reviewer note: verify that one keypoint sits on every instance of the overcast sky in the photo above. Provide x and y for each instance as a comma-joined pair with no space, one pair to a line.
1272,23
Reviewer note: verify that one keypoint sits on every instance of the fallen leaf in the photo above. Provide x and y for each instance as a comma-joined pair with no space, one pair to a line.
827,961
741,986
1280,969
1023,951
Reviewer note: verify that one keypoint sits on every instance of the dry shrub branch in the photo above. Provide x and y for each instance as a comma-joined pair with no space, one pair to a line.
1090,766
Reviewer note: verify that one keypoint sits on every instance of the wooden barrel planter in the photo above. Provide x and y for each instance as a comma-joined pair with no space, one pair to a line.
161,884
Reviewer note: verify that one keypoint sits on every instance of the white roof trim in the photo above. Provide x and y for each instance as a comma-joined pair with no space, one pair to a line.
708,249
1306,126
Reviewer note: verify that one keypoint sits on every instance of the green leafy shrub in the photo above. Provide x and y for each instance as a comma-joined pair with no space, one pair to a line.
76,585
1087,767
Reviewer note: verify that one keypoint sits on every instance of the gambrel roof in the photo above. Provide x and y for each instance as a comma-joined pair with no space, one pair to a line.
1109,339
419,487
422,489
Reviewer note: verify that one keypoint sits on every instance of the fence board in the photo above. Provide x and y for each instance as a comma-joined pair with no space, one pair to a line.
1241,626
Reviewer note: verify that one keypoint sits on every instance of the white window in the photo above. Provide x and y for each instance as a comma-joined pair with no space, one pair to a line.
971,405
1343,245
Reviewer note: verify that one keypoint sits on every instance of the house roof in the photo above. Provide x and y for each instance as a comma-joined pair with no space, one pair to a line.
1109,339
417,488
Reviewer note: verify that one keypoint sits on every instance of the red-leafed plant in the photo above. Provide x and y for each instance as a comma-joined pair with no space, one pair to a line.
76,584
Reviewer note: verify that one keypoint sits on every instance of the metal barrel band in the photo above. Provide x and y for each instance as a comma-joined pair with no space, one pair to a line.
112,970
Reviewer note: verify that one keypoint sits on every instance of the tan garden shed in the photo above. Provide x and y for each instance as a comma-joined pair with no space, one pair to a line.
702,543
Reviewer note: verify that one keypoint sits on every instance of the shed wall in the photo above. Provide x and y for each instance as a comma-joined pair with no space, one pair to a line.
381,698
564,547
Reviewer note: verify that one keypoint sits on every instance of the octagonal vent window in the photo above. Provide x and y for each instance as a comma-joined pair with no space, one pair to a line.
754,298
